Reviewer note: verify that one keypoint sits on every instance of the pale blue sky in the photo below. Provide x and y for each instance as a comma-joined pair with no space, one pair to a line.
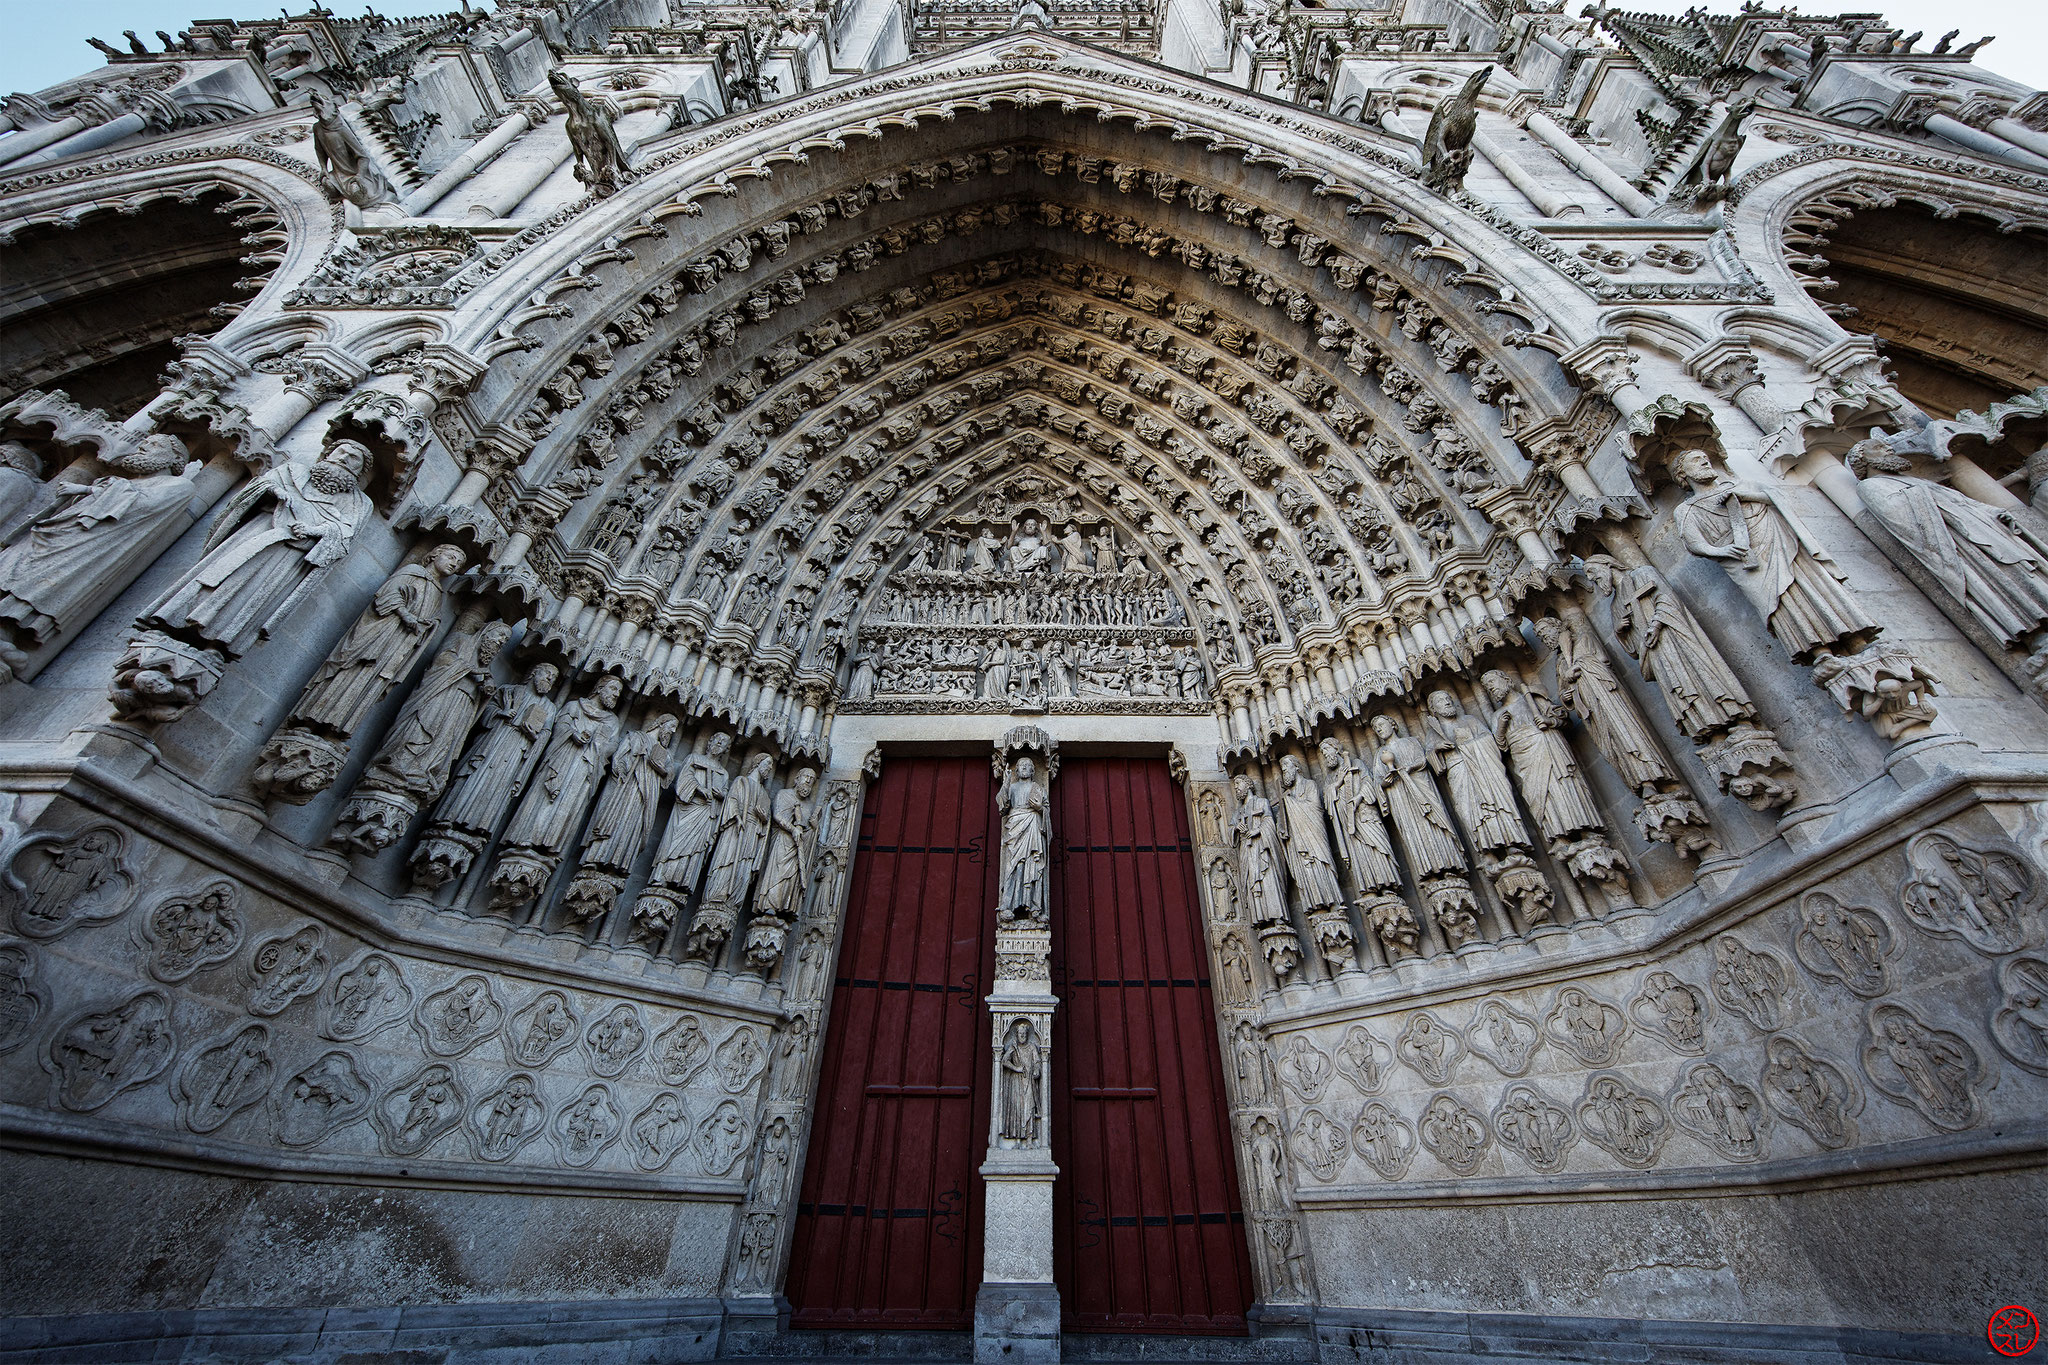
45,40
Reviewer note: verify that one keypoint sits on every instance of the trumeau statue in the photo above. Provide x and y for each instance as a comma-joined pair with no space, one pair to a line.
1025,807
517,721
1021,1089
58,569
1769,555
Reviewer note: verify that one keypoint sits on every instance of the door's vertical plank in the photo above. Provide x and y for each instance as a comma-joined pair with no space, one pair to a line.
888,1230
1148,1231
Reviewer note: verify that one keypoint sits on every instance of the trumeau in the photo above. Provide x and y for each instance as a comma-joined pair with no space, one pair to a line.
480,495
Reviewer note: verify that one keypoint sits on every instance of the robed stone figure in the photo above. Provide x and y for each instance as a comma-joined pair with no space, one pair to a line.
782,875
1020,1089
1527,729
785,872
1587,683
381,647
1464,750
1401,767
1025,807
742,836
267,550
1309,861
60,569
1354,803
1260,862
1988,562
552,807
1673,651
624,816
413,765
1769,555
516,719
700,786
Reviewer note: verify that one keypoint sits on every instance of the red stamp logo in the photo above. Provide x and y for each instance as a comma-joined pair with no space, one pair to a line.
2013,1330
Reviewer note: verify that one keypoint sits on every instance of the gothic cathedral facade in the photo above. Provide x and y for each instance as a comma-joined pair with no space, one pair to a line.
998,678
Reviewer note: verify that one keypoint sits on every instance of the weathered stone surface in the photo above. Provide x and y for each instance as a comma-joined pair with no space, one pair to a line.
1606,682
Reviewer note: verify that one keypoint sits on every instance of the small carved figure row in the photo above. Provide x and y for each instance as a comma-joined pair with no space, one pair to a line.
101,1054
371,994
1931,1070
1019,668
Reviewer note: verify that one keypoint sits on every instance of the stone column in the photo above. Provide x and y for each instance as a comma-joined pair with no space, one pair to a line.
1017,1311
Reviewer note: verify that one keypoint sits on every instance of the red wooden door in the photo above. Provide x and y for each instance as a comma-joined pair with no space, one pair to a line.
888,1225
1149,1235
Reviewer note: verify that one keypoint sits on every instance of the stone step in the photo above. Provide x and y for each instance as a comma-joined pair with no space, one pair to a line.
1091,1348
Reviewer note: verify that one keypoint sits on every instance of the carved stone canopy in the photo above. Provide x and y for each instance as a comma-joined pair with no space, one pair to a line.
1027,741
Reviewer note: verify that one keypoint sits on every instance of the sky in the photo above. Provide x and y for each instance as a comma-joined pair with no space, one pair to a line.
45,41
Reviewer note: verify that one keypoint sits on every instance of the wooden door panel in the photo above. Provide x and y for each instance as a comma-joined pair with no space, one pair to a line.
887,1231
1149,1234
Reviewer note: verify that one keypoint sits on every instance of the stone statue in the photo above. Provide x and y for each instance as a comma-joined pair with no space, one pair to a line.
1260,862
1255,831
552,807
740,838
1312,867
1354,805
1022,1067
1465,751
701,784
1401,767
1309,862
1659,632
413,765
1026,810
623,817
785,873
1989,562
600,160
346,170
1529,730
381,647
267,549
486,779
1772,558
1447,143
63,565
1073,551
1354,802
